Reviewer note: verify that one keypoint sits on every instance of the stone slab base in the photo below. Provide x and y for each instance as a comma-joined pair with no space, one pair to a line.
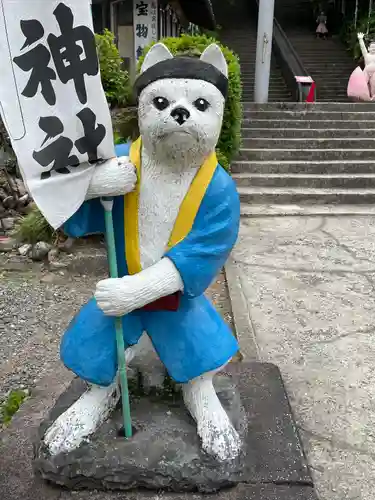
164,454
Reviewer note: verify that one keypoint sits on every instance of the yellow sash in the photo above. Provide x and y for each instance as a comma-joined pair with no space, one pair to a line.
186,215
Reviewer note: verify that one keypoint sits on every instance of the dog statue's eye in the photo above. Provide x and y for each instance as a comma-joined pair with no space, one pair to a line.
201,104
161,103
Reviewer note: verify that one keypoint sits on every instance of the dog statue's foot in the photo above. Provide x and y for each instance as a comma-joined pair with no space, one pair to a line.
81,419
219,437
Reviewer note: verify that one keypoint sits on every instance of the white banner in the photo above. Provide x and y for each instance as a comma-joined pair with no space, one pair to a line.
52,101
145,18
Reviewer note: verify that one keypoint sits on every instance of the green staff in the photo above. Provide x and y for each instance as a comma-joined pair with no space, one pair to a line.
107,203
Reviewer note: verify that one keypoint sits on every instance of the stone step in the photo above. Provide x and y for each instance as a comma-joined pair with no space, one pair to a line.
250,98
243,45
340,99
331,89
273,83
275,94
308,48
340,77
249,71
329,86
247,62
245,77
249,76
263,210
273,79
323,96
307,133
272,90
333,181
337,67
332,55
313,155
348,143
338,63
315,124
309,115
330,74
301,107
330,97
234,37
272,98
273,87
305,196
323,85
324,167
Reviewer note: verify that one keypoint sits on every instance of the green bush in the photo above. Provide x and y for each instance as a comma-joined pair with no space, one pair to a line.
349,33
114,79
125,124
230,137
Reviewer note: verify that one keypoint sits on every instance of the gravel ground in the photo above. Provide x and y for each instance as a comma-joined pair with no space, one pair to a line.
37,304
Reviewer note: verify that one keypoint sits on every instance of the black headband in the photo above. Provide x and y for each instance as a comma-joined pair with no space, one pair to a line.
182,67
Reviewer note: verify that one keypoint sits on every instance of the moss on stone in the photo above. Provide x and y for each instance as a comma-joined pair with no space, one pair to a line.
11,405
169,392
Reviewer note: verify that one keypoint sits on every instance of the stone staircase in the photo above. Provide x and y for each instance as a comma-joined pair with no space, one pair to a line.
239,32
327,62
242,40
294,12
299,158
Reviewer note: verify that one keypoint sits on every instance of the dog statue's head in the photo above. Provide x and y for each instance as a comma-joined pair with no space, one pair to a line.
181,102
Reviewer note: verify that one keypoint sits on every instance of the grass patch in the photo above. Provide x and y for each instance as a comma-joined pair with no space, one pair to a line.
11,405
33,228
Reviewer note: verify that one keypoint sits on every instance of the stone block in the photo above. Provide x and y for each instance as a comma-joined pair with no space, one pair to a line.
165,454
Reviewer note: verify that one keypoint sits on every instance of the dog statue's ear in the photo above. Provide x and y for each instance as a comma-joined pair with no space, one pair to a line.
214,55
158,53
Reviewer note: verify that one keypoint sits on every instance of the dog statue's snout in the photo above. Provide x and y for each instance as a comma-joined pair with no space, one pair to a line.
180,114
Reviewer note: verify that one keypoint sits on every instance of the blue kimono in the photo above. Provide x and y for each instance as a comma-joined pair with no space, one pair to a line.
190,341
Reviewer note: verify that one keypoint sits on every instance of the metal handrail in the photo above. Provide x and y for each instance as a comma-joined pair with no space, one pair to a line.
299,64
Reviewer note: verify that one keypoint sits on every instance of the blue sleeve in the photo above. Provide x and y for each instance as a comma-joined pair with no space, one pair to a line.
204,251
89,218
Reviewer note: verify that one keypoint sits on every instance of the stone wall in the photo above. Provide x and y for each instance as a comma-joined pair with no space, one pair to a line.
14,199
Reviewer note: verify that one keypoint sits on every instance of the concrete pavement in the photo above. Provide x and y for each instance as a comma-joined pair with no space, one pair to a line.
304,299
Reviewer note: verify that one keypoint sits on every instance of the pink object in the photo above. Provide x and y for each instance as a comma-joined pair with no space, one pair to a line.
358,87
322,28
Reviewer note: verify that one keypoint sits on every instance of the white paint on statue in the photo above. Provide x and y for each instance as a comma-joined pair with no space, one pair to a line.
91,410
145,23
219,437
81,419
52,100
113,178
170,159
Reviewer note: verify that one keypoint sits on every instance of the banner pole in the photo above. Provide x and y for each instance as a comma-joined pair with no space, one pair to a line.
107,203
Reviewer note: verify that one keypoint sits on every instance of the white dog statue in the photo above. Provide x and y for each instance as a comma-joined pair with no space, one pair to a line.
176,214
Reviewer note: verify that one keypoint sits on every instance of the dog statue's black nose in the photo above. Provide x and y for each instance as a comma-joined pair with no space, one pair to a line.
180,115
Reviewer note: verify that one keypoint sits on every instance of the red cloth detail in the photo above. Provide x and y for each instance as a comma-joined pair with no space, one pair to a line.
311,94
169,303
